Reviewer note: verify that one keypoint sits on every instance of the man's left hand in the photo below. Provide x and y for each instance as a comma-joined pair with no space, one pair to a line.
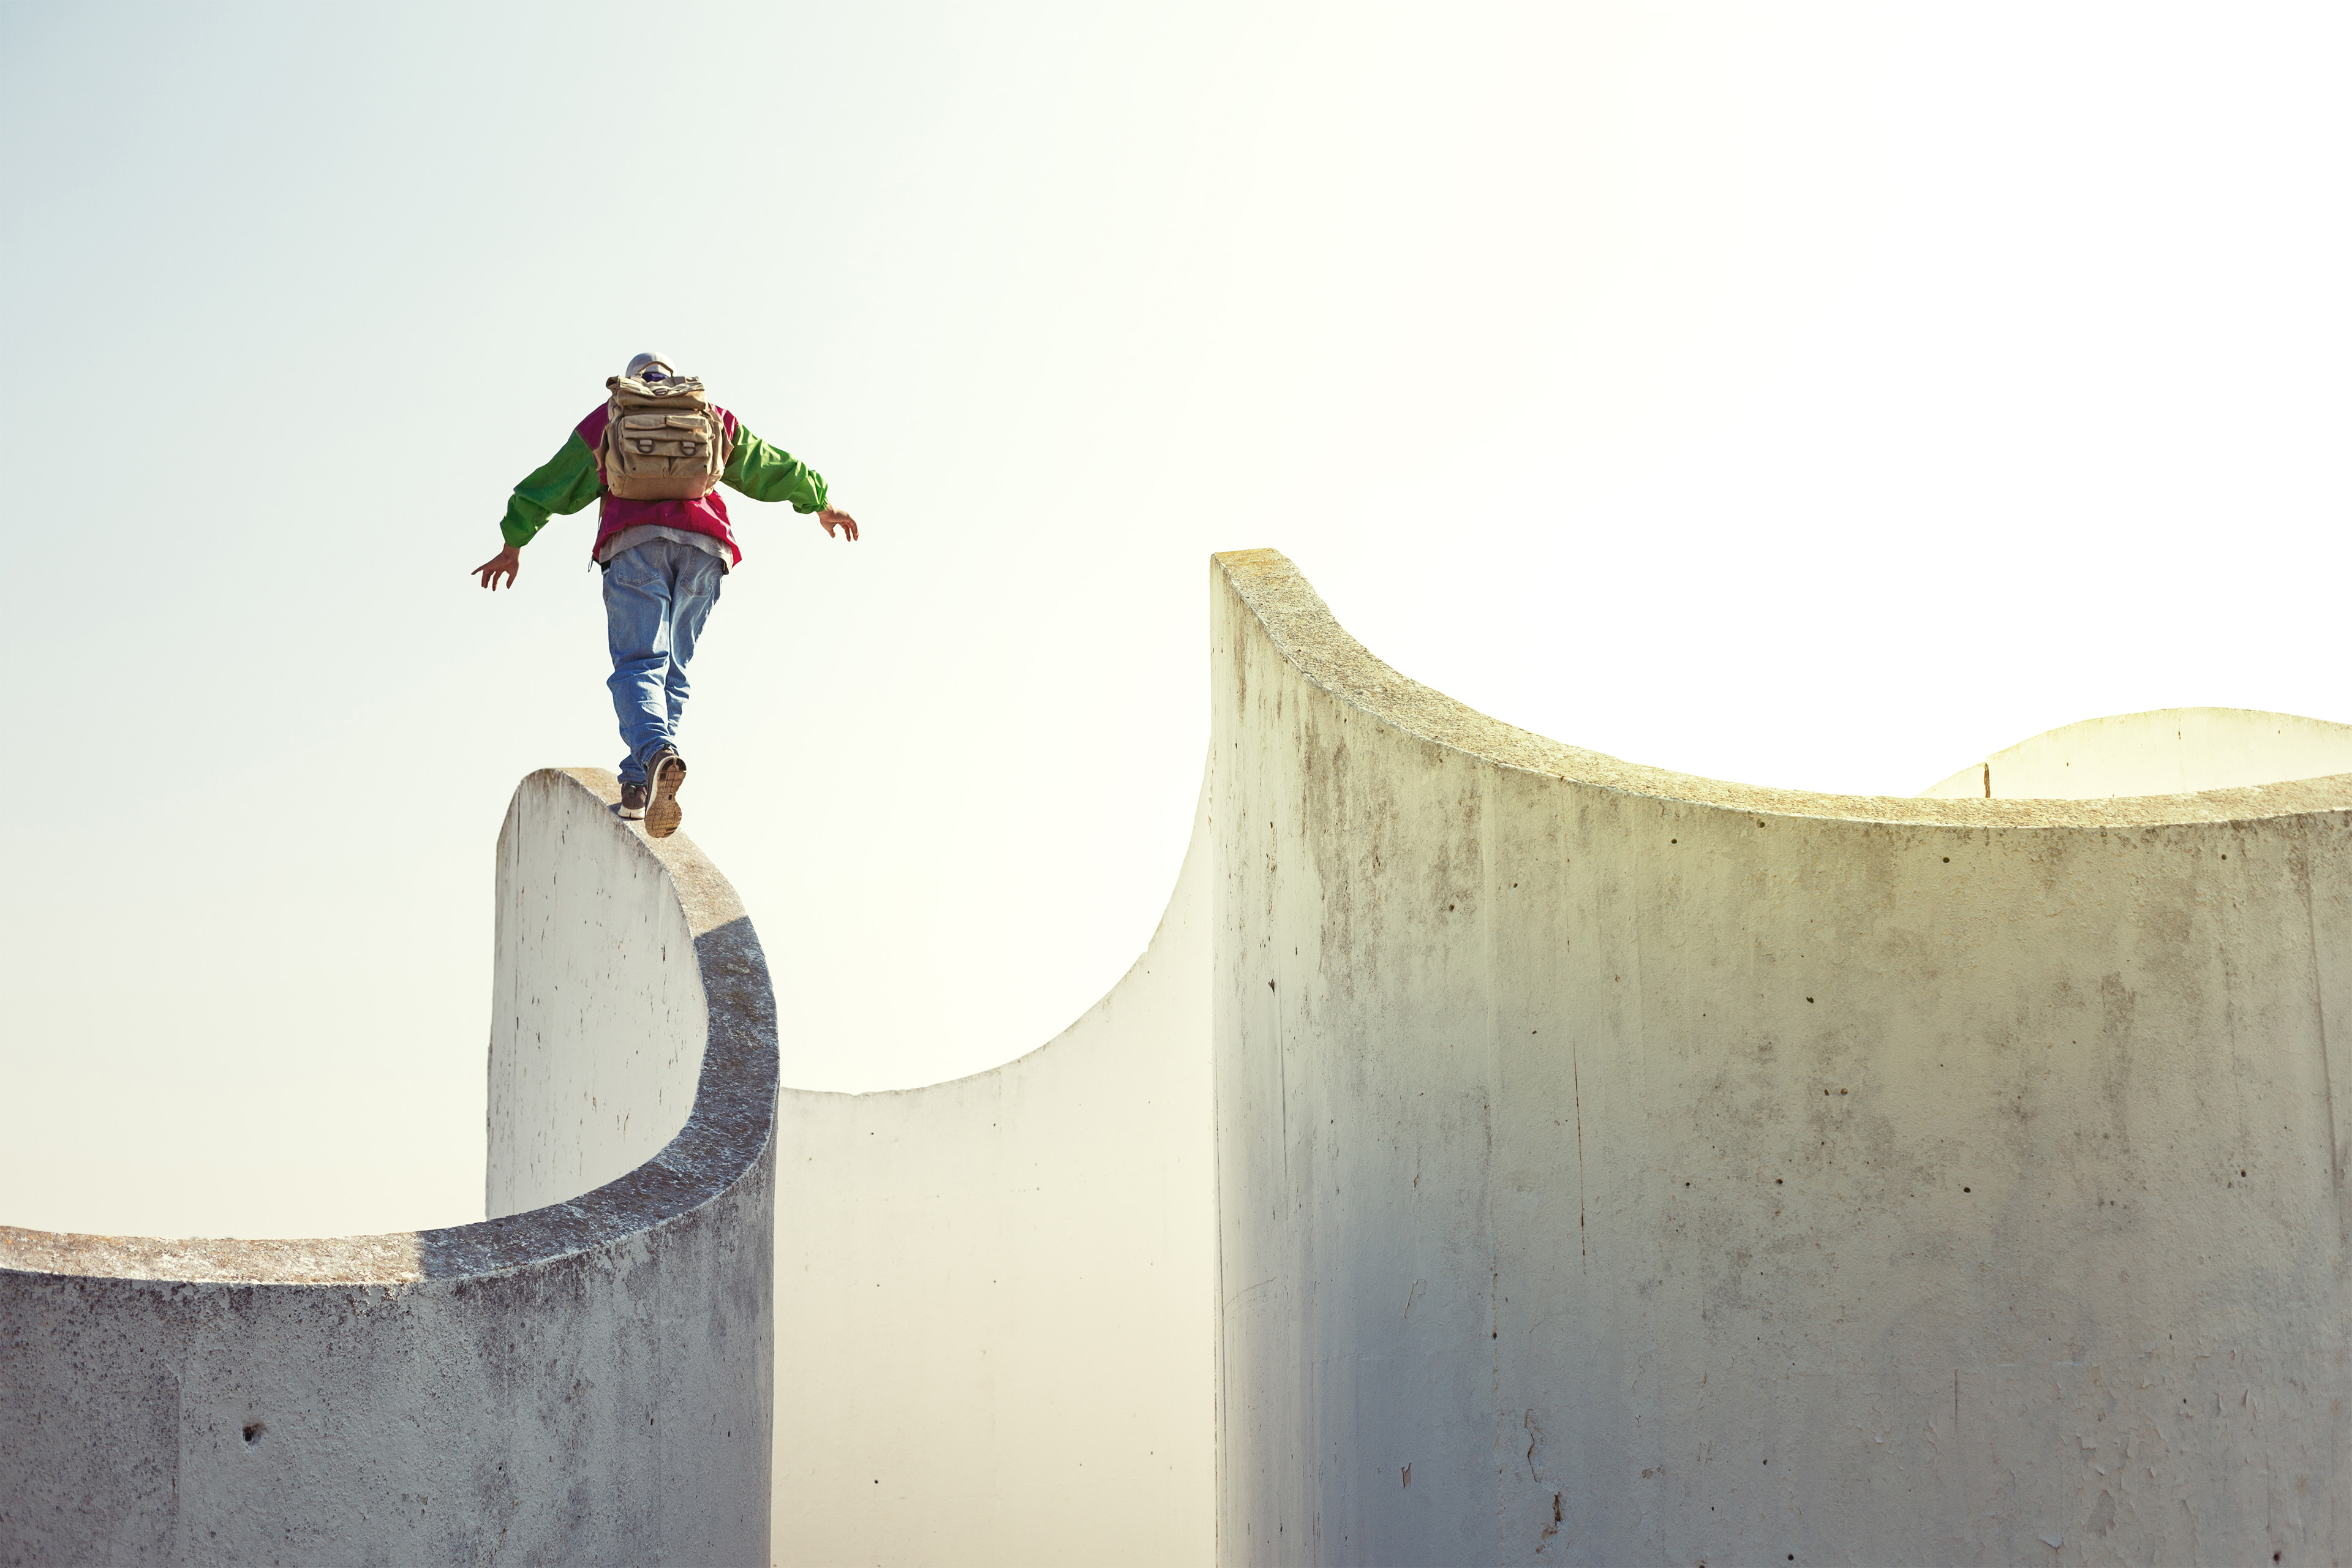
833,517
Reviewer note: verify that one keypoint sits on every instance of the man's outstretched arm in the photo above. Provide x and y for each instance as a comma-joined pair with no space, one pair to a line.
769,473
564,484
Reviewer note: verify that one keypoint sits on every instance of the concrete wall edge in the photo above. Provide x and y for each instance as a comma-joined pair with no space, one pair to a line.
1303,629
1037,1051
718,1146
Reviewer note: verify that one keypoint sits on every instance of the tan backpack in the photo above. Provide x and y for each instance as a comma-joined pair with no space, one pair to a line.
663,441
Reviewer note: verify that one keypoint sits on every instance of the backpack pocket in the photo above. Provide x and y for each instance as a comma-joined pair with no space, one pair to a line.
666,437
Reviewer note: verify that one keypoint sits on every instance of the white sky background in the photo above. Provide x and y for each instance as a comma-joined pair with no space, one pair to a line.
1805,395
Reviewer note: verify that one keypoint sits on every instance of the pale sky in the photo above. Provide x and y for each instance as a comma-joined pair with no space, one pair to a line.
1806,394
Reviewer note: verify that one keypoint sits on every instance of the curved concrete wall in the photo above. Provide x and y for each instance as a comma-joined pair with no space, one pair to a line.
994,1295
595,1035
2170,750
1616,1167
589,1382
1503,1153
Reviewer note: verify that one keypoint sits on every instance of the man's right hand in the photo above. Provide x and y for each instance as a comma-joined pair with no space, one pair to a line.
506,562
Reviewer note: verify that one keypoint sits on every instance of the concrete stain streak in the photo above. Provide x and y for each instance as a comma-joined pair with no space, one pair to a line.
1576,1093
2337,1154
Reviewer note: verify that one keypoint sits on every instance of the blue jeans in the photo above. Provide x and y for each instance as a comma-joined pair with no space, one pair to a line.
656,597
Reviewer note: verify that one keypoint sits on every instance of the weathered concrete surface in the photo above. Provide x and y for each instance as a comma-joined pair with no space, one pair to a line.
996,1295
1617,1167
587,1383
2169,751
594,1053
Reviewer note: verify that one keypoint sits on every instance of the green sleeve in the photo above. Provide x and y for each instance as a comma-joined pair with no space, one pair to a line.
565,483
769,473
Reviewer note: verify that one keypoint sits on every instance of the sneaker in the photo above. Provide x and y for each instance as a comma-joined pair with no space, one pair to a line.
633,801
664,774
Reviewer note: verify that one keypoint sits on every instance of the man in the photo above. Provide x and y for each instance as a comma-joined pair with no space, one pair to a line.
662,559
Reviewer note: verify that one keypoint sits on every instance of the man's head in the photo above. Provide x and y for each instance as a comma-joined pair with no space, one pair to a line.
649,367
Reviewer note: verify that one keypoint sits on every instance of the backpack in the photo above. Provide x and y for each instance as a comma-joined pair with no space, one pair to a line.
663,441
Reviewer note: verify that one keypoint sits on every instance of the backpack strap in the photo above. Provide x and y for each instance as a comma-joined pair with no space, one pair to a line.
612,422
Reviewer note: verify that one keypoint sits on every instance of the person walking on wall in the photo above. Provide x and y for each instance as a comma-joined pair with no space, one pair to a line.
655,454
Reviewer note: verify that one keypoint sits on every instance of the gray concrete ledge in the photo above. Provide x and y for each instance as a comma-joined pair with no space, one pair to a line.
587,1382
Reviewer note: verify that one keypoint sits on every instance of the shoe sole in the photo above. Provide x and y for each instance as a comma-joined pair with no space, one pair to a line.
628,815
662,814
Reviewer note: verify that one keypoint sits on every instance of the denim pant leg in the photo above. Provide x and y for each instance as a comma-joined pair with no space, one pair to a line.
636,626
657,598
694,589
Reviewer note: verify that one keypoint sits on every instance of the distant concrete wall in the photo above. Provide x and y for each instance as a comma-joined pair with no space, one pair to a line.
995,1295
1616,1167
590,1382
2169,751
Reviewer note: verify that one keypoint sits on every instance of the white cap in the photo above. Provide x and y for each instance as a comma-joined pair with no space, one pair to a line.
640,363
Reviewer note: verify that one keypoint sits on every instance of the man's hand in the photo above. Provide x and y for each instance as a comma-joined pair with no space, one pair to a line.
509,561
833,517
